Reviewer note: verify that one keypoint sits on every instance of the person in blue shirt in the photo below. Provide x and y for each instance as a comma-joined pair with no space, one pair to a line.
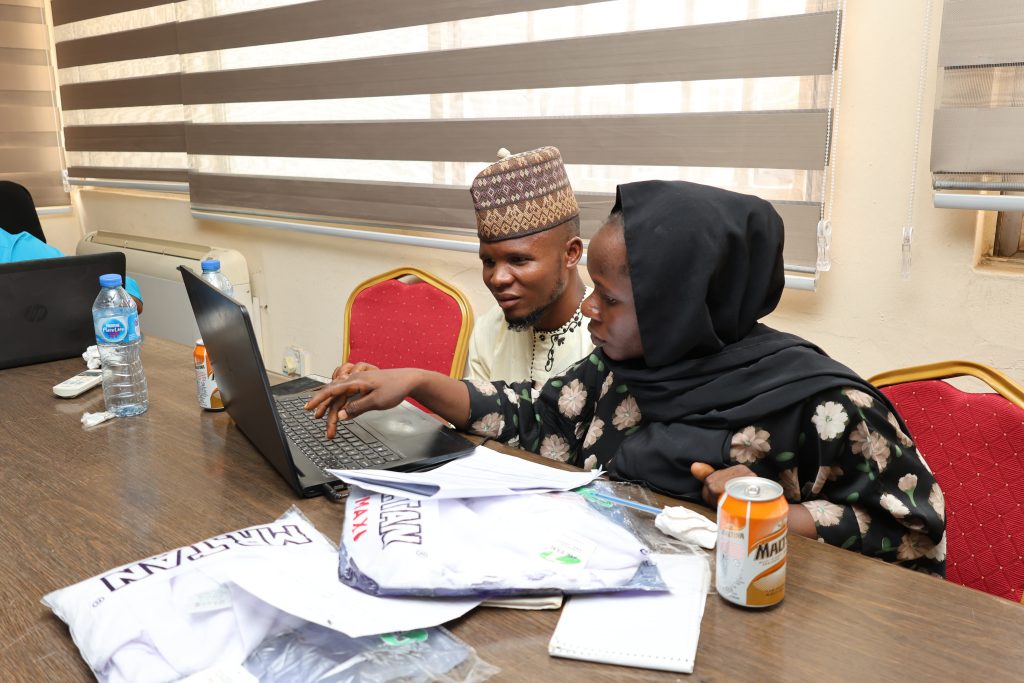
25,247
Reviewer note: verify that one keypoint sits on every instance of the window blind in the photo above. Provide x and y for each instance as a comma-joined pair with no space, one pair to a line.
120,85
382,111
29,142
980,99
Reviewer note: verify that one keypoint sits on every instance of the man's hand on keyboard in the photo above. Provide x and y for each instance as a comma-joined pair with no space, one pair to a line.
346,369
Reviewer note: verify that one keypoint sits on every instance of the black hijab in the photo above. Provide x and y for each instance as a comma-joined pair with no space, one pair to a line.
705,265
18,211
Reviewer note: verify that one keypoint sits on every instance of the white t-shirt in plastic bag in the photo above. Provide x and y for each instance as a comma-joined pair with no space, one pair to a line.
502,545
178,613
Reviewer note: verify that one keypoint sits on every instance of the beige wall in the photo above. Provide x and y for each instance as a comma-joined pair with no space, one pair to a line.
863,313
62,231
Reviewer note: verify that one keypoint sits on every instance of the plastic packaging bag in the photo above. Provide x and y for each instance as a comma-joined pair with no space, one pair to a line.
642,522
502,545
313,654
178,613
627,499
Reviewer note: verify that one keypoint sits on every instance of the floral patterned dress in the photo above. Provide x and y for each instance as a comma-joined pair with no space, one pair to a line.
841,454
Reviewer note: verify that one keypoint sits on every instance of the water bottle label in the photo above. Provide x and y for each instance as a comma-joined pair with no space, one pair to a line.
135,330
117,328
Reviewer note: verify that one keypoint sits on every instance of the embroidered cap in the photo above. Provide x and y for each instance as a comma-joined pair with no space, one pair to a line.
522,194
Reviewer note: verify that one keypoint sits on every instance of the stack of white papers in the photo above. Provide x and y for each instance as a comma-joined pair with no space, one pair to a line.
314,593
484,473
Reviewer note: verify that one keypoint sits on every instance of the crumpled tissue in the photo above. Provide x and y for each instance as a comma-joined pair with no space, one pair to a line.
687,526
92,357
93,419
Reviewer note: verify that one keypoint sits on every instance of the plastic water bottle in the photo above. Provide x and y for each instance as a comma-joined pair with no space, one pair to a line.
206,383
115,318
212,274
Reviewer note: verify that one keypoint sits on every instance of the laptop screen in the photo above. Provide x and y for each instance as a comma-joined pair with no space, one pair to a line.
416,438
229,338
46,306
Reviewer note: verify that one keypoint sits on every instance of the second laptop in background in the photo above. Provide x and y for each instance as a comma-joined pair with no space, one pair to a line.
46,306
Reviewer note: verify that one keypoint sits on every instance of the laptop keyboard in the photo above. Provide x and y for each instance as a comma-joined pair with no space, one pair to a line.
352,448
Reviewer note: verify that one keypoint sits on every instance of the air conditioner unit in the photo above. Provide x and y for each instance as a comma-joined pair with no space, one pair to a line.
154,262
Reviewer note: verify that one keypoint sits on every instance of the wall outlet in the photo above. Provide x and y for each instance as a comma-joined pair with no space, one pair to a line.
296,362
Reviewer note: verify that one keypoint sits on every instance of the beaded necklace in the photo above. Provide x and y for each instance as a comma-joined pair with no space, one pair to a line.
557,336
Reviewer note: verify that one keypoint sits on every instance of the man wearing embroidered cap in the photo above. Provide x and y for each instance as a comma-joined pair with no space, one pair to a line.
529,228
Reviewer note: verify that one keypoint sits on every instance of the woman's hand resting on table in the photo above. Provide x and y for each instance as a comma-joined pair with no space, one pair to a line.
800,520
715,480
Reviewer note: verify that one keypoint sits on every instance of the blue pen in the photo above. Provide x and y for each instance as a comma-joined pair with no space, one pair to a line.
620,501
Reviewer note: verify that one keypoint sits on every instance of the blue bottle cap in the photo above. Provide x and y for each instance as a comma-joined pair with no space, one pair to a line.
210,265
110,280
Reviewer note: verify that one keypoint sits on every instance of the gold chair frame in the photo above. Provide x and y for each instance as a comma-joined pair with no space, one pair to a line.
1004,386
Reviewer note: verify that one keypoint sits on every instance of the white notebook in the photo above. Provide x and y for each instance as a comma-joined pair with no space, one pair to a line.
647,630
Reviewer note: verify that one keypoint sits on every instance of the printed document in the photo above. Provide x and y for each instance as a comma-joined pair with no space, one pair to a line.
484,473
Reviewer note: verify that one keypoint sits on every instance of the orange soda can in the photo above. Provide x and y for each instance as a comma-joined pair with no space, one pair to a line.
752,523
206,384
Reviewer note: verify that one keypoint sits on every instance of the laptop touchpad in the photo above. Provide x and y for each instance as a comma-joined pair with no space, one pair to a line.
399,422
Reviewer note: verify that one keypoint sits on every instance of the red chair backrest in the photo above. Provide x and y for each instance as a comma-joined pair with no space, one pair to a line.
974,444
394,324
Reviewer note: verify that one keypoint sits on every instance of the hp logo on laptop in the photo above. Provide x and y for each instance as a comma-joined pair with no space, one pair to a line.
36,313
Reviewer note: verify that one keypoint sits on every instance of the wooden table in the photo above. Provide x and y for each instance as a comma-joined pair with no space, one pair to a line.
78,502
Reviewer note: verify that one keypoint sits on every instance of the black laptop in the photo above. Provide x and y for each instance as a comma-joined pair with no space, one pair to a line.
46,306
403,438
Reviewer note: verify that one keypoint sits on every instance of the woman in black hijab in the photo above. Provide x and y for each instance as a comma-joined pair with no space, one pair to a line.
685,382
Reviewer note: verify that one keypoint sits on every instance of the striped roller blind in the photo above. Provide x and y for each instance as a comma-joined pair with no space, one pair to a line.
120,85
29,144
382,111
978,131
